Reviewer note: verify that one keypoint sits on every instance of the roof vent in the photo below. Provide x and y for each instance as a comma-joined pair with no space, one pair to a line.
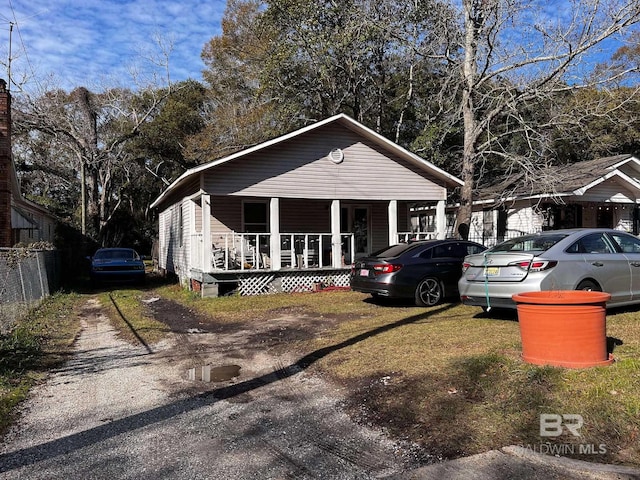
336,155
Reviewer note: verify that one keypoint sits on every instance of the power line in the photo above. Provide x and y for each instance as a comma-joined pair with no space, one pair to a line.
14,23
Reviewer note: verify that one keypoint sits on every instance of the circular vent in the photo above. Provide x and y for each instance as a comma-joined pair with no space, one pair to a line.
336,155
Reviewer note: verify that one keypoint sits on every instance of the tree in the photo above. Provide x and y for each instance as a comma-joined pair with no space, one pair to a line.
89,134
288,63
515,54
238,111
355,57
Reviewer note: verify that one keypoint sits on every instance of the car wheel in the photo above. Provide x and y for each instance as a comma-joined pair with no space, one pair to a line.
428,292
589,285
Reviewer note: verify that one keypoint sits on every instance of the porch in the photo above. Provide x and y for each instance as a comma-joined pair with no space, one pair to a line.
244,262
240,252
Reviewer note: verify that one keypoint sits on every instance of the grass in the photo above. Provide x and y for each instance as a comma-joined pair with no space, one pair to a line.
36,344
451,378
128,315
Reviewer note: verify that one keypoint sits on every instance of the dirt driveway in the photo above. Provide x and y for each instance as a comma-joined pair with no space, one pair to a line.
122,411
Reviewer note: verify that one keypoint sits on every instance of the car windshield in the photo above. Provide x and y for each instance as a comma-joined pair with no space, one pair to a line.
115,254
529,243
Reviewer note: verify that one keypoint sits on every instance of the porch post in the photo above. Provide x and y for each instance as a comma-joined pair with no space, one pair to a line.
393,222
336,240
207,246
274,229
441,220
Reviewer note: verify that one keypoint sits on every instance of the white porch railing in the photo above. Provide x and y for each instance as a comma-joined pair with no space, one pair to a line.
232,251
406,236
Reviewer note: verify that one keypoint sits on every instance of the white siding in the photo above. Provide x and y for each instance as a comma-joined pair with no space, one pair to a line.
524,220
164,223
611,190
301,168
174,239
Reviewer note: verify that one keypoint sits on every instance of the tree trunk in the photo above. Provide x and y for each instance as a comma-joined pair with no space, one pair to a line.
469,70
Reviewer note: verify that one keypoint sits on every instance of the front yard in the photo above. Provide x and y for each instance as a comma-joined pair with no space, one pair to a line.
448,378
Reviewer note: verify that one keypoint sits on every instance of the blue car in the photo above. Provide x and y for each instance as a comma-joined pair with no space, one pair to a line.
116,265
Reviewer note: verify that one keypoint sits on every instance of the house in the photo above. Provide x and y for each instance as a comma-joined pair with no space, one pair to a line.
296,211
596,193
21,221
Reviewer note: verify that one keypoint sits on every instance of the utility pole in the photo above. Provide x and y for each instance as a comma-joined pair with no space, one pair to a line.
9,59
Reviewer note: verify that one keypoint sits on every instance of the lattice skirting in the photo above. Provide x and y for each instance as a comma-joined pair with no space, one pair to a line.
306,281
261,283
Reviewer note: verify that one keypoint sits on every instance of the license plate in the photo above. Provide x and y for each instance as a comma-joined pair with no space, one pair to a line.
491,271
364,272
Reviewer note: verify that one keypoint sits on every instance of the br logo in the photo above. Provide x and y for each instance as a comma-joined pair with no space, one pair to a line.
553,425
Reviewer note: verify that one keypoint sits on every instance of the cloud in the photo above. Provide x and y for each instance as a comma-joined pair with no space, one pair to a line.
96,41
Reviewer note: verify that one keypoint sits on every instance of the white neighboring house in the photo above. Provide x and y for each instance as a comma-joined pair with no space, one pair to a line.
296,211
596,193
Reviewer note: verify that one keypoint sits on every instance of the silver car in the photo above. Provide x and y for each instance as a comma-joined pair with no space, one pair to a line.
575,259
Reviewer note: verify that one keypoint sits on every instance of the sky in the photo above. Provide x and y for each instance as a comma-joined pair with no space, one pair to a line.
95,43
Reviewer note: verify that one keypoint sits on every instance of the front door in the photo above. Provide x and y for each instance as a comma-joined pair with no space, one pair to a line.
355,220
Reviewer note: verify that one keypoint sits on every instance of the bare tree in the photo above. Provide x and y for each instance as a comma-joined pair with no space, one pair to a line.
91,131
514,55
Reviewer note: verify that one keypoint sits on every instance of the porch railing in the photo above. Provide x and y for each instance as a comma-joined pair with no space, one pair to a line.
404,237
233,251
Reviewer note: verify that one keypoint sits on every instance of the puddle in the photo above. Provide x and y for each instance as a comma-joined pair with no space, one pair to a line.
207,373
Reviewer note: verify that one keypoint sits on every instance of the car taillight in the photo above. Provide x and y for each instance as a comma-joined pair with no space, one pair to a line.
465,266
535,265
382,268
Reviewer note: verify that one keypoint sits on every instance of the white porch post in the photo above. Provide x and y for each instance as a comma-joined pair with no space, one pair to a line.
336,240
393,221
441,220
206,232
274,229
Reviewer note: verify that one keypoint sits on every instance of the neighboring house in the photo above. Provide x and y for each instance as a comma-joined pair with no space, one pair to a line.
30,222
21,221
297,210
597,193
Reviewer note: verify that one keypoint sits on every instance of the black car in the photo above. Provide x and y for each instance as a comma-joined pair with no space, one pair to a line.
426,271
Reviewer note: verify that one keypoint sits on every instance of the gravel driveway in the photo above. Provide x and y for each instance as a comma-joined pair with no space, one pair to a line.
122,411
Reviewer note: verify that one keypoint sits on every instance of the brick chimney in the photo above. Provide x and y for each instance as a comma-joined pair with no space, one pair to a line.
5,165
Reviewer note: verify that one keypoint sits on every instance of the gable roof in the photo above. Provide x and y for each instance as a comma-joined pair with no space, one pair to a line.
341,119
568,180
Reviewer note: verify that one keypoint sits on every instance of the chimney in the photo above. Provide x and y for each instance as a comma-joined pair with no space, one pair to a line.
5,165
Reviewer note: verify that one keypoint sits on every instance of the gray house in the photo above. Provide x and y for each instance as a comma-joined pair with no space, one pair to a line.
296,211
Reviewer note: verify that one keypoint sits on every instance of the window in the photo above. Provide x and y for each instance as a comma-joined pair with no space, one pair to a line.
593,243
255,217
529,243
627,243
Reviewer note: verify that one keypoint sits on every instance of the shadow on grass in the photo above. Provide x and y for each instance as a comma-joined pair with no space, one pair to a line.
476,404
31,455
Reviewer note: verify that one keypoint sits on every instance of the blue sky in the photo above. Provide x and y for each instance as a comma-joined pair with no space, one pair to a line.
97,42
